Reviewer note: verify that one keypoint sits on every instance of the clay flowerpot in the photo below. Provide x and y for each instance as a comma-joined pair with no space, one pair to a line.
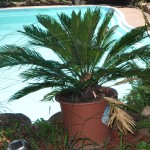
84,120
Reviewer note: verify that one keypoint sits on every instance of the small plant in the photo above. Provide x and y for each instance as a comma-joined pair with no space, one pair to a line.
51,134
137,100
3,140
80,141
44,130
143,146
42,133
123,146
7,134
138,97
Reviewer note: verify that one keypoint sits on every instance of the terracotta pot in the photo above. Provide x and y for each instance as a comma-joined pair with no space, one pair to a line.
84,120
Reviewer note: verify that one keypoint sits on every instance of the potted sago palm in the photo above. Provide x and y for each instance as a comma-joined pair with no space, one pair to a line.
89,56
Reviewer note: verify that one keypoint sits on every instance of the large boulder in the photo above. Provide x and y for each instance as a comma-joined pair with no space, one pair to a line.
56,119
146,111
17,120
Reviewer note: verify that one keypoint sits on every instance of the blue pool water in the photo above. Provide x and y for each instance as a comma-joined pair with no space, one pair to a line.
12,20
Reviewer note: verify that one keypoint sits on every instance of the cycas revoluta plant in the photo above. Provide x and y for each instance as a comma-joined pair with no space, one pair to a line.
89,55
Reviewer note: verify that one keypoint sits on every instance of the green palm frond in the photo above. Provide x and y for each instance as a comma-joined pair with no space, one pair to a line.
32,88
104,75
40,37
103,29
23,56
138,98
12,55
127,41
44,74
136,54
145,123
108,40
51,95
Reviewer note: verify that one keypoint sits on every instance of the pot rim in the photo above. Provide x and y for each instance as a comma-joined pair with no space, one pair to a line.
82,103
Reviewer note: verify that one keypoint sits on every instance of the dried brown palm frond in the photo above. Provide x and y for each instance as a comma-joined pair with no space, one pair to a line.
119,117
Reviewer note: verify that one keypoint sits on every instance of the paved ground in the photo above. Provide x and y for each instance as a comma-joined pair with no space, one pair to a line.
133,16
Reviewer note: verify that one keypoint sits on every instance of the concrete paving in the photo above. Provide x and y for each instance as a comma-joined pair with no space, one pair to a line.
133,16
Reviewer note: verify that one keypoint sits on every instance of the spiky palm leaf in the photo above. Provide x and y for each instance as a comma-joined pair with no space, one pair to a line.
88,53
145,123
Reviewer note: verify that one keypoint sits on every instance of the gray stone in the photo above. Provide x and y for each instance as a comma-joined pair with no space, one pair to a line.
30,2
146,111
17,120
142,5
56,119
148,9
145,131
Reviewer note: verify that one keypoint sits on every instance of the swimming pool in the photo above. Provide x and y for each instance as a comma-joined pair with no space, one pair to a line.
12,20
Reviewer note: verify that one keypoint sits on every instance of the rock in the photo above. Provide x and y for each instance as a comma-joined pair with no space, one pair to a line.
148,9
30,2
18,4
146,111
142,5
56,119
145,131
4,3
17,120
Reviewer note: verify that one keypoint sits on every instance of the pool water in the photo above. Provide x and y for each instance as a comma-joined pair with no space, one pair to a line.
12,20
